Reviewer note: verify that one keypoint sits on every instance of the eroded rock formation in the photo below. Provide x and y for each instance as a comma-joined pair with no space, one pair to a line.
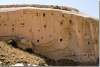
57,34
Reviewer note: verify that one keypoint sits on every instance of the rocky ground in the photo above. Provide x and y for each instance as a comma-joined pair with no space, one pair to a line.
10,56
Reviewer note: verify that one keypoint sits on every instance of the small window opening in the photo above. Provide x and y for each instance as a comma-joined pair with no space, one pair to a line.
5,24
43,14
70,21
61,39
62,15
45,26
22,23
37,40
61,22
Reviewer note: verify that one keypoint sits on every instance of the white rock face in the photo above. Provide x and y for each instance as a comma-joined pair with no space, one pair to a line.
21,64
56,34
18,64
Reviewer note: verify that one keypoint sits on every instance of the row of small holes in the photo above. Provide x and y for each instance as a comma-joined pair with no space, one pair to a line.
12,24
59,40
46,26
51,14
43,26
4,24
70,21
61,23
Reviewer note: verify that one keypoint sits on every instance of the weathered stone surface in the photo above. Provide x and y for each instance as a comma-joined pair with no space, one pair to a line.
57,34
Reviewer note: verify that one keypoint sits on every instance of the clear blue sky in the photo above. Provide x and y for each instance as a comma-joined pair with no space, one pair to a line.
90,7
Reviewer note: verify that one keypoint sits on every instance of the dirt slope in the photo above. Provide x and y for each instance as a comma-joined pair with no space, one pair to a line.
10,55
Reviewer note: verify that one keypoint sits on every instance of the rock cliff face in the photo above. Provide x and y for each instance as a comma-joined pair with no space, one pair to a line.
55,33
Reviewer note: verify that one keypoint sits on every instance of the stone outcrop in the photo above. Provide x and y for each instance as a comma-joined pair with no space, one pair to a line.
56,33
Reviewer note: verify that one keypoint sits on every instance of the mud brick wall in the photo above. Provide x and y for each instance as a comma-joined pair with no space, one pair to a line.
57,34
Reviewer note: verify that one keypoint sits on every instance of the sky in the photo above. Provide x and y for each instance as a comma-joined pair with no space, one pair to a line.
89,7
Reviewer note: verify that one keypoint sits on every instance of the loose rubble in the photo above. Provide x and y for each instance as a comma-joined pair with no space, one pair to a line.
10,56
